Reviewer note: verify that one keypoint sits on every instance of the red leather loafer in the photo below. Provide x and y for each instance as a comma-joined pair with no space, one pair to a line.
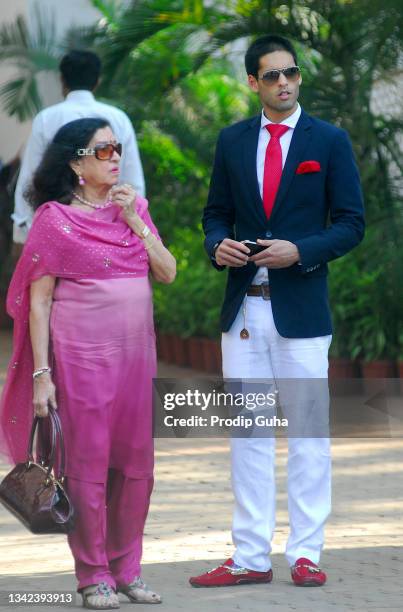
306,573
227,575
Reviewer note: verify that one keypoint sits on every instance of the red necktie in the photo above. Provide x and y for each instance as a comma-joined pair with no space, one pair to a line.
272,166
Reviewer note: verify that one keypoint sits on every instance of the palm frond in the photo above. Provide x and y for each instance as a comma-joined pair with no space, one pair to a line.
143,20
14,39
20,97
30,53
79,37
110,9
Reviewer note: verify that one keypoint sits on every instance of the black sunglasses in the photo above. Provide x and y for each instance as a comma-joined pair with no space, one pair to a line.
271,76
102,151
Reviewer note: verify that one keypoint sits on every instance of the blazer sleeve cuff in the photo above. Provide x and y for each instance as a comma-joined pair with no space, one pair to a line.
210,244
307,262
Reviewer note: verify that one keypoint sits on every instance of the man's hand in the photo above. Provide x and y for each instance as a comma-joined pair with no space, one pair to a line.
232,253
279,254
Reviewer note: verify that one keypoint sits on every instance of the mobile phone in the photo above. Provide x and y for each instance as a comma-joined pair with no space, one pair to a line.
253,246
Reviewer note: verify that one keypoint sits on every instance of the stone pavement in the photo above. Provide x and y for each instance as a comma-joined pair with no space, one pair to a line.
188,531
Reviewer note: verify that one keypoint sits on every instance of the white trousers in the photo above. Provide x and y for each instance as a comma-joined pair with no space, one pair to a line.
263,356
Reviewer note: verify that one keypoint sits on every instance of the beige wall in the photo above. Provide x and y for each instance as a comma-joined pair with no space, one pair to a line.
13,134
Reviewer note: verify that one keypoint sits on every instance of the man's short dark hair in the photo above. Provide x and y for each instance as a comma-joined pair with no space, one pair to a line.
262,46
80,70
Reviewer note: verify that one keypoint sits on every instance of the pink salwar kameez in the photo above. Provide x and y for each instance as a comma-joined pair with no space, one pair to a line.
102,351
104,360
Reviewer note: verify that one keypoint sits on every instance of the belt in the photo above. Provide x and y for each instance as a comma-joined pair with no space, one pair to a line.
262,290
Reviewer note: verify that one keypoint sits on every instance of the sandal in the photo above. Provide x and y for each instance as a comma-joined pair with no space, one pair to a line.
138,592
99,597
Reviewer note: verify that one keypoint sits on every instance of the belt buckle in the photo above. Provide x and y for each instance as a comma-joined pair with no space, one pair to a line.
265,294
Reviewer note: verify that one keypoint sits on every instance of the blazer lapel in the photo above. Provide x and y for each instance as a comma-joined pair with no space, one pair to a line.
250,142
299,141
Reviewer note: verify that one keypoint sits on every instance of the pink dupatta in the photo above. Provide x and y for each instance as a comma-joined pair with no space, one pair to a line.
63,242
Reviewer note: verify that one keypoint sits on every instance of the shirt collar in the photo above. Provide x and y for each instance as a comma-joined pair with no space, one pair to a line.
291,121
80,95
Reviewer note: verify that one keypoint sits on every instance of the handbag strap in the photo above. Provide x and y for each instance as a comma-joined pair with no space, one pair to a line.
30,453
56,441
43,446
60,442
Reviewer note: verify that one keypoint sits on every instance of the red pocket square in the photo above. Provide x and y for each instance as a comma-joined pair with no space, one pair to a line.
308,166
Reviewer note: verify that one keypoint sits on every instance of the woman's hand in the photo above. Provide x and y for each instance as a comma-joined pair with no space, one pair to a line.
125,196
161,261
44,394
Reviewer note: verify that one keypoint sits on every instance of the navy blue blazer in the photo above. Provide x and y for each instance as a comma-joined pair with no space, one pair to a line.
321,212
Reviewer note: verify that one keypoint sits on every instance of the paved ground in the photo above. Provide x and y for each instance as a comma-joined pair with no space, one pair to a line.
188,531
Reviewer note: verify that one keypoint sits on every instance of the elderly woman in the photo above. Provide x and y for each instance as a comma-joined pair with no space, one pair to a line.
82,303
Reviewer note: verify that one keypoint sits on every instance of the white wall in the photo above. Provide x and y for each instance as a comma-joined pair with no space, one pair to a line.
72,12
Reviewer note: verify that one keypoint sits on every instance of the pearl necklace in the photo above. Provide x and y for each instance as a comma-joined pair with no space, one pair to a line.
91,204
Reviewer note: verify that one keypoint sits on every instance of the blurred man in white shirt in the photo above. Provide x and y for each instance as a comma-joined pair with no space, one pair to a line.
80,72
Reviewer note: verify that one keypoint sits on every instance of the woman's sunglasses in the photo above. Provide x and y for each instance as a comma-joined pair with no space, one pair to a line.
271,76
103,151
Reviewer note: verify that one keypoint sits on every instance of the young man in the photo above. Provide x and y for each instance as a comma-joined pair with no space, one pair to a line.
79,73
290,182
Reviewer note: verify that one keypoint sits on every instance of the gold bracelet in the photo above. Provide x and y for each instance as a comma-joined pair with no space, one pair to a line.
145,232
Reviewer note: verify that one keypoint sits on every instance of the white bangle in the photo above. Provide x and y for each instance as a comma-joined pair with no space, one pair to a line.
145,231
40,371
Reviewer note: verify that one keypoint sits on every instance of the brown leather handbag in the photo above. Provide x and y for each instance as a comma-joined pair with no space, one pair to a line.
33,493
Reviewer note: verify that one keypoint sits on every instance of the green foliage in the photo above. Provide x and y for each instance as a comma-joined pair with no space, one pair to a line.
400,347
356,311
366,289
179,186
167,156
191,305
110,9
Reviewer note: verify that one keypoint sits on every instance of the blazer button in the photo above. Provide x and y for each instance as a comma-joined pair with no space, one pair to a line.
268,234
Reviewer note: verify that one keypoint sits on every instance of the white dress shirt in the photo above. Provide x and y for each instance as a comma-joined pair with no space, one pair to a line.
77,105
261,275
